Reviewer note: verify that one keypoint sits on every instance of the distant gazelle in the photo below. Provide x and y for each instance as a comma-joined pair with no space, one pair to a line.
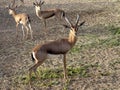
21,18
46,14
57,47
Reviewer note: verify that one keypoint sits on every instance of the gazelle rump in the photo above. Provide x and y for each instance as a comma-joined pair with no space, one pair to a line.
61,46
21,18
46,14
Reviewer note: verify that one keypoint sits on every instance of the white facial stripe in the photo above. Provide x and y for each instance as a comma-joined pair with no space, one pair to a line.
10,11
73,32
37,8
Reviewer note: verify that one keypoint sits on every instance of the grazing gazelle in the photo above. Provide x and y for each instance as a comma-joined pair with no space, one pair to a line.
46,14
61,46
21,18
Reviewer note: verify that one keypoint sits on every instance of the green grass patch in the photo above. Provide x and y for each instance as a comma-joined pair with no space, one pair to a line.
51,74
115,30
111,41
92,41
75,49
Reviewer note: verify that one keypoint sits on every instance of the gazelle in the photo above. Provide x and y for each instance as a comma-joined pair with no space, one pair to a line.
46,14
21,18
62,46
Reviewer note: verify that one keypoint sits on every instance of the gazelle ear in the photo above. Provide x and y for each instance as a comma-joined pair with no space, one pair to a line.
66,26
34,3
81,23
16,6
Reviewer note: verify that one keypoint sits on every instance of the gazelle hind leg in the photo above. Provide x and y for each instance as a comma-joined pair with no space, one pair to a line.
27,31
23,32
34,69
17,29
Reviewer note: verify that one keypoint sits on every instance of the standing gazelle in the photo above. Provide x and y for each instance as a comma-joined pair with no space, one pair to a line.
21,18
62,46
46,14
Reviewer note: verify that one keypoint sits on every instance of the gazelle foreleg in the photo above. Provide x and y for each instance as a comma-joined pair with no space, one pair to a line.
44,23
65,70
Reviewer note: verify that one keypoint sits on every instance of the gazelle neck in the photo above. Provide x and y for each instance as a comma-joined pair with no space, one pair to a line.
13,13
72,38
38,11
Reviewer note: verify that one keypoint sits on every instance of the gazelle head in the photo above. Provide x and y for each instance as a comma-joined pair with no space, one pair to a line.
73,27
38,4
11,7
